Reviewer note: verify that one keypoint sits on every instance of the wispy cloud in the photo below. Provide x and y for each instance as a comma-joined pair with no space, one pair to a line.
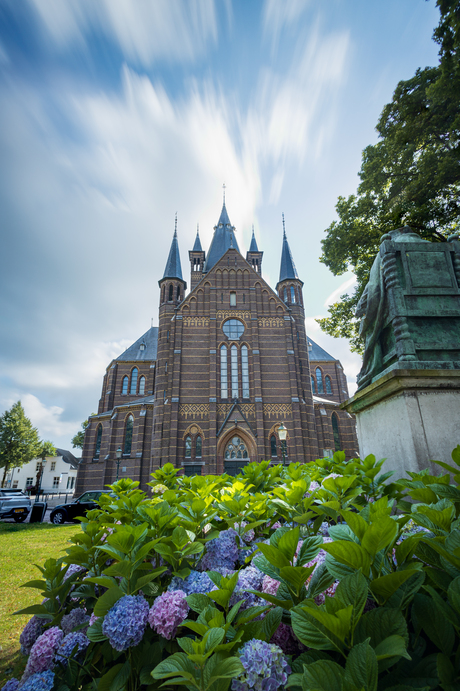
341,290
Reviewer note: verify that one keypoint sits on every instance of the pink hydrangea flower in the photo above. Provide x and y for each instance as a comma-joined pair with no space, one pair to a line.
270,585
167,612
42,654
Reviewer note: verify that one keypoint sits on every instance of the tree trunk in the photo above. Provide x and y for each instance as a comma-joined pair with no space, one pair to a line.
7,465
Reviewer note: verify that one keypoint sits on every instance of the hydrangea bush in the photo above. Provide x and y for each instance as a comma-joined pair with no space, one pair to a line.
326,576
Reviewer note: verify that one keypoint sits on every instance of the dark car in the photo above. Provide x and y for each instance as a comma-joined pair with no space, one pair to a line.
14,504
69,512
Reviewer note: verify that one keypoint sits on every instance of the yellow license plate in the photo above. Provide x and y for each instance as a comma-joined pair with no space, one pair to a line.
19,510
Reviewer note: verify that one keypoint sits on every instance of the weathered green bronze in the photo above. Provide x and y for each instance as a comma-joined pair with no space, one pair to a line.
410,309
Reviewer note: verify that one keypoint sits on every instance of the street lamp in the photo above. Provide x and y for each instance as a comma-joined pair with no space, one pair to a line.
282,434
42,468
118,454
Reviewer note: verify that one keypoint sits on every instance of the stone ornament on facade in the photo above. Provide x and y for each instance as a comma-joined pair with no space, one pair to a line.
271,322
249,409
194,410
278,409
196,321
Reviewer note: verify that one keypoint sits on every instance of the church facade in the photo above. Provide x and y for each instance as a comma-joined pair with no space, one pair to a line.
208,389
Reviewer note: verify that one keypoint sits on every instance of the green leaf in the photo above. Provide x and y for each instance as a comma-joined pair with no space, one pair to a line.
361,667
379,624
446,672
356,523
116,678
384,587
107,601
198,602
323,675
296,575
230,668
350,554
380,535
428,617
94,632
288,542
274,555
213,638
352,590
321,630
453,593
393,646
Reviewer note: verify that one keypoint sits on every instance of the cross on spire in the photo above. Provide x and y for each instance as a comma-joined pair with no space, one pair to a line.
284,228
175,226
224,188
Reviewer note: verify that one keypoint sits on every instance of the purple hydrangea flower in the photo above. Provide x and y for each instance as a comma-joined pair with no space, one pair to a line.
124,624
313,487
321,598
75,618
11,685
92,619
42,681
68,644
285,638
72,570
41,656
270,585
248,579
222,552
266,668
167,612
31,631
196,582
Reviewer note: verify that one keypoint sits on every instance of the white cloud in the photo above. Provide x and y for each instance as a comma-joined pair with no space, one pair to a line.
47,419
144,30
341,290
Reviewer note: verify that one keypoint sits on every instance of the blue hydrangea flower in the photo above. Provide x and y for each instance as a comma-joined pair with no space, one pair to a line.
222,552
124,624
248,579
73,639
11,685
196,582
31,631
43,681
75,618
266,668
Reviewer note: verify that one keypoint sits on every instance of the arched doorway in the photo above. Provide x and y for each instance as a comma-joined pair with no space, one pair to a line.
235,450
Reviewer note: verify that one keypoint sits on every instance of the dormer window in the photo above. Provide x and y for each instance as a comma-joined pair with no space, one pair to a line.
142,346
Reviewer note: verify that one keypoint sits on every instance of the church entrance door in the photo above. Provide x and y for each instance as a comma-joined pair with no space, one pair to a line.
236,455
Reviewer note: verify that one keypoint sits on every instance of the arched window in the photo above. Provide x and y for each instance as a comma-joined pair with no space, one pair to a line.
319,380
234,368
167,337
134,374
335,430
97,450
124,387
236,448
178,293
142,386
163,294
285,295
312,383
292,295
273,445
128,435
166,367
188,447
245,371
170,293
198,447
328,385
223,372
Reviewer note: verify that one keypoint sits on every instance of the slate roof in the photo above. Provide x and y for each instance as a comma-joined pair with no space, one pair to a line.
68,457
253,246
223,239
173,267
319,401
135,352
318,353
287,267
197,246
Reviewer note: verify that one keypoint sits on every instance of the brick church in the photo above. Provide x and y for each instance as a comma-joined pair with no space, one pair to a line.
208,388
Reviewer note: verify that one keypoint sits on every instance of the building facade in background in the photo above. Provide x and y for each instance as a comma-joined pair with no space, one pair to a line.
228,363
59,474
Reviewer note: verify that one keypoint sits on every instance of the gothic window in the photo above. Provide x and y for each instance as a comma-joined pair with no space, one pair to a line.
292,295
170,293
142,386
198,447
124,388
312,383
167,337
335,430
273,448
233,329
319,380
128,435
134,374
97,450
285,295
178,293
234,368
232,299
188,447
328,385
223,372
163,294
166,367
236,448
245,371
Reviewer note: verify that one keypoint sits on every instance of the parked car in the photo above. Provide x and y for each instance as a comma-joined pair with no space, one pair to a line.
68,512
14,503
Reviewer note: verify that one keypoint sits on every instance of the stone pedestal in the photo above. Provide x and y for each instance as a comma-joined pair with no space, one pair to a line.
409,416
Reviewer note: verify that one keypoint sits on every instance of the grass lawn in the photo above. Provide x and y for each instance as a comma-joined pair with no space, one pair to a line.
22,546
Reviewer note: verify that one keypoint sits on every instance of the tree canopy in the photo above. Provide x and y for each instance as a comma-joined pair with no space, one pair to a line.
19,440
410,177
79,438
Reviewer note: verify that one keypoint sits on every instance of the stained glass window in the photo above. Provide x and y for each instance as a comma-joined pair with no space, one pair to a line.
236,448
134,374
188,447
233,329
273,445
234,366
198,447
292,294
142,386
245,371
124,388
328,385
312,383
128,435
223,372
319,380
97,450
335,429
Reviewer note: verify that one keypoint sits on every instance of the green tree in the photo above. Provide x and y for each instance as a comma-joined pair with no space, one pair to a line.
410,177
19,440
79,438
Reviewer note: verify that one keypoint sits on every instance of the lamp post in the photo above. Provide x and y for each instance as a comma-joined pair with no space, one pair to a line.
282,434
42,468
118,454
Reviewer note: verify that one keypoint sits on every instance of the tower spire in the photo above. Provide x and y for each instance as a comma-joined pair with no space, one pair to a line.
173,267
287,267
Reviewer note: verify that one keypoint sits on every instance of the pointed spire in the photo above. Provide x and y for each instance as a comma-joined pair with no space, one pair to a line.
224,238
253,246
197,246
287,267
173,267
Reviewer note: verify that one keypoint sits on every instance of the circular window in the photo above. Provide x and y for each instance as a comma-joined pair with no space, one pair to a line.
236,448
233,329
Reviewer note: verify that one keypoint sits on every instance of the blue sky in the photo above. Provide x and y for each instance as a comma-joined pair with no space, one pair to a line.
116,114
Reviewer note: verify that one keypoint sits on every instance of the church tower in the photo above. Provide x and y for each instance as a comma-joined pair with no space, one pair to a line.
197,258
253,256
